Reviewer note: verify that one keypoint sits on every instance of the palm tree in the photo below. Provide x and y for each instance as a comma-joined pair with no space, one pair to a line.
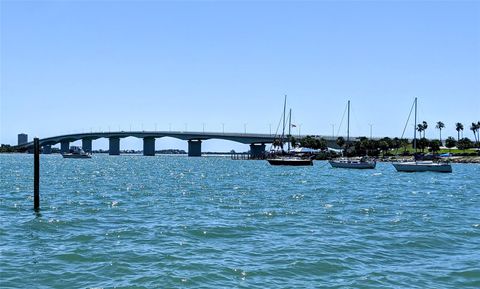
458,128
440,126
475,128
425,125
478,132
420,129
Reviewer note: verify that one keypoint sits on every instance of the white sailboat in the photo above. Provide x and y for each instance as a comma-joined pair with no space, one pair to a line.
421,166
288,160
352,163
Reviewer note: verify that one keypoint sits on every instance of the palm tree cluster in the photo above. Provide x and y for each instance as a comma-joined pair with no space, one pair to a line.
422,127
384,146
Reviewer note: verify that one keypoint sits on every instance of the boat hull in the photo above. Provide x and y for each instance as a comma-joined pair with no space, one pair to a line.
353,165
74,156
422,167
287,162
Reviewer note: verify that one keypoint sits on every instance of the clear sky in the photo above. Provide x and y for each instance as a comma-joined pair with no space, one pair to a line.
72,66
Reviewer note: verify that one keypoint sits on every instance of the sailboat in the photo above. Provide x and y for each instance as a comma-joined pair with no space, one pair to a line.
352,163
287,159
421,166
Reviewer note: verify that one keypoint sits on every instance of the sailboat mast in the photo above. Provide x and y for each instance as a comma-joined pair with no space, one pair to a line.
348,123
415,128
289,127
283,128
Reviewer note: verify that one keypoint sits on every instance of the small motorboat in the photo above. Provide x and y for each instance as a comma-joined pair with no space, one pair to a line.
76,153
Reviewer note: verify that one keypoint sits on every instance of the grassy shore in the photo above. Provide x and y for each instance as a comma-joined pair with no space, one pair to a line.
453,151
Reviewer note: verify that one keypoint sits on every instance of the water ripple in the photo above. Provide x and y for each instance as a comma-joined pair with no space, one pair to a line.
168,222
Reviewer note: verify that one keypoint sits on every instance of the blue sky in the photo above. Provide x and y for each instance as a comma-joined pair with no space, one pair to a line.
93,65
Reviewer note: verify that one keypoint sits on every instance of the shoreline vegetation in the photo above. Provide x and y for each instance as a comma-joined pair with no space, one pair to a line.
461,150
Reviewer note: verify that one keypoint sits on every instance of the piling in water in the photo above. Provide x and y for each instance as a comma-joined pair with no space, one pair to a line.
36,174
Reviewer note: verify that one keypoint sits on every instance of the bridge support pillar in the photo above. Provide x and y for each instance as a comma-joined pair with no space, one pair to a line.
87,145
194,148
149,146
257,150
64,147
47,149
114,146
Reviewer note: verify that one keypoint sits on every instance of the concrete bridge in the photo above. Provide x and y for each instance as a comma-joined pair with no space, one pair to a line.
256,141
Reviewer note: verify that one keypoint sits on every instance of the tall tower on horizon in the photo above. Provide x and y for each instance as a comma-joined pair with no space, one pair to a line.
22,138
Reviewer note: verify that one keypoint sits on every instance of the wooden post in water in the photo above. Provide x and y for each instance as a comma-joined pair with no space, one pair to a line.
36,174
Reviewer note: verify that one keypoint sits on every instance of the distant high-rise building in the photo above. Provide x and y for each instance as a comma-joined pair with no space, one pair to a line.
22,138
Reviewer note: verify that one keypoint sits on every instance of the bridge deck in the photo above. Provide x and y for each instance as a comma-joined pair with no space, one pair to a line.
245,138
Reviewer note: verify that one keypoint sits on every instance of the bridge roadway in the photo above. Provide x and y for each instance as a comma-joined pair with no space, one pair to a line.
256,141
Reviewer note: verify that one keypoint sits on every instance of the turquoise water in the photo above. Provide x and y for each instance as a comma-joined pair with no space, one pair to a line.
178,222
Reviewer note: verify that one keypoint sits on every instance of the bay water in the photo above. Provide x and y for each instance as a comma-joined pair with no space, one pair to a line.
177,222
